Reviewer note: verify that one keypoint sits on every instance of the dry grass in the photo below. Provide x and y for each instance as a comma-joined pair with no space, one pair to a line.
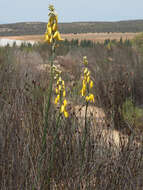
100,37
111,160
96,37
25,37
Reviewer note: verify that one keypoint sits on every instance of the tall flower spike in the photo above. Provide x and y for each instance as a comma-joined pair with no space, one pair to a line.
52,34
63,108
87,83
60,94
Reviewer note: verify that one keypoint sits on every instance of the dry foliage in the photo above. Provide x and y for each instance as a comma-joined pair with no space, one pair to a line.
111,159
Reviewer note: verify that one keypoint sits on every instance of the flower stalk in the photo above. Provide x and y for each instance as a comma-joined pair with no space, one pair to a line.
52,35
87,85
60,94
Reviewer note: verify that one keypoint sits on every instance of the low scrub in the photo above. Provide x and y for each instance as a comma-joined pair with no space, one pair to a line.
96,145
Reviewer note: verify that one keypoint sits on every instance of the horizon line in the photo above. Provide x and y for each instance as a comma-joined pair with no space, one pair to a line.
126,20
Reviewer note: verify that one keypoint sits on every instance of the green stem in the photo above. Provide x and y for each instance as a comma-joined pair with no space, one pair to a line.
48,104
47,108
85,132
53,150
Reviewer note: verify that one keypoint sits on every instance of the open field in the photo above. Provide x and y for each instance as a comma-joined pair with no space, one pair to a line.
100,37
96,37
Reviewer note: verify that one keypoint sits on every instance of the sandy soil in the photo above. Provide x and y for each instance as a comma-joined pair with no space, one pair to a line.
97,37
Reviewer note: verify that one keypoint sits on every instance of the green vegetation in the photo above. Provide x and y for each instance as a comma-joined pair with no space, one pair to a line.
133,114
138,42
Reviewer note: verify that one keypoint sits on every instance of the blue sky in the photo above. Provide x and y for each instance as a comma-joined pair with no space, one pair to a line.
12,11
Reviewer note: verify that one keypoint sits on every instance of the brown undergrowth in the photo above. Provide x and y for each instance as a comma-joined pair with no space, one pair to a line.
113,151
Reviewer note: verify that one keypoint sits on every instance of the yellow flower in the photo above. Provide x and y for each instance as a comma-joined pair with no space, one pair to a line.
63,83
59,80
57,90
57,99
50,39
47,37
88,73
65,102
91,84
48,25
90,98
85,61
83,92
66,114
56,19
85,70
55,27
85,78
57,36
49,31
88,79
64,93
60,87
87,98
52,26
51,19
84,83
62,108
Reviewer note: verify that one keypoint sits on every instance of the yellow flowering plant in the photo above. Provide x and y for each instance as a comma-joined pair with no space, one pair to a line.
52,34
87,83
60,93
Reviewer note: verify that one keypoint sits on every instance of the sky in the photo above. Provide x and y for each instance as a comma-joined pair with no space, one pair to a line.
12,11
